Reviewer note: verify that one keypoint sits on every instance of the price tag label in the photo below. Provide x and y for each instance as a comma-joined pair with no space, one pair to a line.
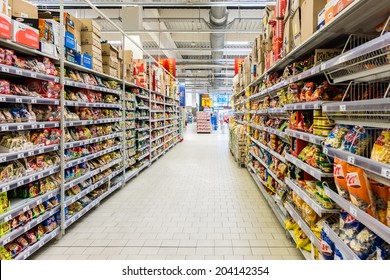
18,100
50,196
323,66
40,244
33,75
26,255
26,208
70,145
53,235
301,136
33,126
21,155
5,189
39,220
312,139
39,201
343,108
18,72
20,127
385,172
41,151
7,240
351,159
41,126
70,124
311,238
312,173
4,128
33,101
5,69
326,151
7,218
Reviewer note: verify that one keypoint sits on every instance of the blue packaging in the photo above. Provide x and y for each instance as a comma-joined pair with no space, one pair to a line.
70,41
87,61
79,58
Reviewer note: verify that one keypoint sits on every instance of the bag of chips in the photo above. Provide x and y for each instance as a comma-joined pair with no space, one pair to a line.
340,174
327,246
356,141
381,194
360,190
381,150
336,136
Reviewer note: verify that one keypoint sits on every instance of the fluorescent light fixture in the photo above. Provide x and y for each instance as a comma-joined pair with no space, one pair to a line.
113,42
237,43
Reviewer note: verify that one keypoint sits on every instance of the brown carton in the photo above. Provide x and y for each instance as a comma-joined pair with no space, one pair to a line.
89,38
91,25
110,61
108,49
110,71
296,28
287,37
24,9
309,17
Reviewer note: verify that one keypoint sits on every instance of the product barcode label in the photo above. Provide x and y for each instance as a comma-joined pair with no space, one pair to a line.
20,127
33,126
41,126
50,196
5,189
21,155
33,101
41,151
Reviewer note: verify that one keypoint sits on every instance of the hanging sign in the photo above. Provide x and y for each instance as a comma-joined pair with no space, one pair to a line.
237,65
182,90
169,64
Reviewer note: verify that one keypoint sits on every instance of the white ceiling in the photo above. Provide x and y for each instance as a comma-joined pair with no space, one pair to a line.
190,45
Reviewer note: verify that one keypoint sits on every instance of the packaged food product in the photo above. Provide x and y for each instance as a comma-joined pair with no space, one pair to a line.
336,136
327,246
31,237
381,149
338,256
22,242
14,248
349,226
291,224
381,194
5,254
360,190
340,174
364,244
356,140
301,238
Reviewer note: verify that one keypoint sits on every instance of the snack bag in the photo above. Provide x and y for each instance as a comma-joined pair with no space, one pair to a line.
360,190
337,255
340,173
381,150
336,136
301,238
291,224
327,246
356,140
381,194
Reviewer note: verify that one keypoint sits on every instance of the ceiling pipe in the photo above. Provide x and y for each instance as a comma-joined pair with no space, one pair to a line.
218,20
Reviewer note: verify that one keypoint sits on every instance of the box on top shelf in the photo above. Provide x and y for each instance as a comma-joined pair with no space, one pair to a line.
4,7
309,17
93,51
280,9
341,5
329,10
321,55
89,38
110,70
296,28
287,37
5,27
69,41
24,9
25,35
108,49
294,5
91,25
321,18
110,60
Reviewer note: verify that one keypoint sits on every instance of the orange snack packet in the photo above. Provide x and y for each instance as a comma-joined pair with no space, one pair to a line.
360,190
381,193
339,174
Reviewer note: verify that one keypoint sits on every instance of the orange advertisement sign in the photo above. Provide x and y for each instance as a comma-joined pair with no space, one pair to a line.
237,65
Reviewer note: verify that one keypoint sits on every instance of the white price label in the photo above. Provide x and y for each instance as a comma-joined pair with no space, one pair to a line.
7,240
311,238
26,208
70,124
32,179
343,108
18,72
20,127
33,101
53,235
326,151
4,128
351,159
26,255
27,227
353,211
312,139
50,196
5,69
40,244
301,136
18,100
39,220
41,151
51,213
41,126
5,189
7,218
385,172
323,66
21,155
39,201
70,145
312,173
33,75
33,126
327,192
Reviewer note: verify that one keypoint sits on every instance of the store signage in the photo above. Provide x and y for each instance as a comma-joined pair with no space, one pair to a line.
182,90
207,101
169,64
237,65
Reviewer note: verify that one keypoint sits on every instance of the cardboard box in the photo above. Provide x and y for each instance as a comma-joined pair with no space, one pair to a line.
24,9
128,58
92,50
25,35
77,37
69,21
287,37
296,28
309,17
108,49
321,55
5,27
48,48
321,19
70,55
280,9
341,5
91,25
89,38
294,5
55,28
4,7
329,11
69,41
110,61
287,11
110,71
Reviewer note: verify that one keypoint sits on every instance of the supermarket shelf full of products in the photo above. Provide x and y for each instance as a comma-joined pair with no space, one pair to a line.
315,114
73,129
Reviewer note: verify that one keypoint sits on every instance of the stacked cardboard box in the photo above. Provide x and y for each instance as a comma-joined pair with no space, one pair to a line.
128,61
140,73
110,59
90,42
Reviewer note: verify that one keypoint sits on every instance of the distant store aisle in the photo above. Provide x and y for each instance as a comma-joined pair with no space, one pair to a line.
194,203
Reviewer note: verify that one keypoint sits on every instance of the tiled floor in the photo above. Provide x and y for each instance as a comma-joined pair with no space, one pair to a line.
193,203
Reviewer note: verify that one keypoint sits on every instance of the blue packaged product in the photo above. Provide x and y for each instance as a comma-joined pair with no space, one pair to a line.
327,246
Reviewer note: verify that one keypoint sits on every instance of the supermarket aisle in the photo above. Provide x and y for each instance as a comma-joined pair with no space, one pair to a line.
194,203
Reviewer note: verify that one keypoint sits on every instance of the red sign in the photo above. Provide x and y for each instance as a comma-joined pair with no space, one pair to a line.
169,64
237,65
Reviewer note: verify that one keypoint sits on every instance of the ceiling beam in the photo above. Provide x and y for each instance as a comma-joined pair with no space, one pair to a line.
186,31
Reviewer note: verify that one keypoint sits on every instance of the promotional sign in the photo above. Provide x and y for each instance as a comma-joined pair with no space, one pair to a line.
237,65
207,101
182,90
169,64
